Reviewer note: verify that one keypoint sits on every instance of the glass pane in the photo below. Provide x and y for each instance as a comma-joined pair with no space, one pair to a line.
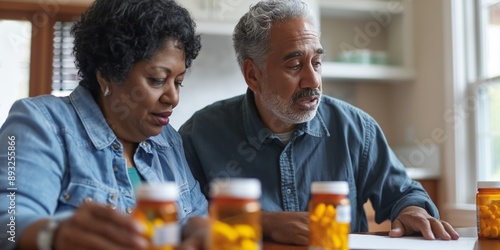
489,131
15,48
65,75
494,93
493,41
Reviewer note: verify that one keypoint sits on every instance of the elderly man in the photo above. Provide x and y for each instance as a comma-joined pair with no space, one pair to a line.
284,132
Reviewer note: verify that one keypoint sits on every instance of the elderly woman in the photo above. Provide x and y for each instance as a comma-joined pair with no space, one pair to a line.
77,159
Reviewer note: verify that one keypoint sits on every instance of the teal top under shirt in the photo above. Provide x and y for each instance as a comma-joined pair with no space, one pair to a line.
135,178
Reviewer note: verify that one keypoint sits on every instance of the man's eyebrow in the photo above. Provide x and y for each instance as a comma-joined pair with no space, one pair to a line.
292,55
319,51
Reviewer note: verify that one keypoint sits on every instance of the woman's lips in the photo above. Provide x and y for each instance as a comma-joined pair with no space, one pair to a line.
163,118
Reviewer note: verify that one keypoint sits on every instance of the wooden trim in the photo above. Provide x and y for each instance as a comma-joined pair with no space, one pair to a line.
64,13
51,9
14,15
41,57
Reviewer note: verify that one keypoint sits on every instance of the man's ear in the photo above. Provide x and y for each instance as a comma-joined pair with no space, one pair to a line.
103,83
252,74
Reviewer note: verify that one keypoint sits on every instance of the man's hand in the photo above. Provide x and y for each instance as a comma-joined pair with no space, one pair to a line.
414,219
286,227
195,234
95,226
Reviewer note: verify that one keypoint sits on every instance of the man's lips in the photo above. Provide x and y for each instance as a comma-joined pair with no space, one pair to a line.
163,118
307,103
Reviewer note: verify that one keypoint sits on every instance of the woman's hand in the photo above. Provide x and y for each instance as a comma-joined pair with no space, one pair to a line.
414,219
95,226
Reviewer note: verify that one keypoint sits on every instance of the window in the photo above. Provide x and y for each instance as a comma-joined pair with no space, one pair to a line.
487,90
65,74
27,31
15,47
473,103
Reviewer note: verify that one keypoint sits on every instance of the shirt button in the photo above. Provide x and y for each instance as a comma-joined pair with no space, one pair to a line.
129,210
116,146
88,199
113,197
288,191
112,206
144,144
115,168
67,197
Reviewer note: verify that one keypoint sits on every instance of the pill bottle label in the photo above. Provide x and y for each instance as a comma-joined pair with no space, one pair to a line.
344,214
166,235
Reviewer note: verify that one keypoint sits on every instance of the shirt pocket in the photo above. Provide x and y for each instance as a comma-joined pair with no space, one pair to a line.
76,193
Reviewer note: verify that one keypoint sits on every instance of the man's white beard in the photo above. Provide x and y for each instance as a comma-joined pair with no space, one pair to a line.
283,109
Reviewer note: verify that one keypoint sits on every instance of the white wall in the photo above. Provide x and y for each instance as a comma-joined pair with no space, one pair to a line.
214,75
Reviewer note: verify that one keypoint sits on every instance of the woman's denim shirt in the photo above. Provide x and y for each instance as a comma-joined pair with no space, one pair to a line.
66,153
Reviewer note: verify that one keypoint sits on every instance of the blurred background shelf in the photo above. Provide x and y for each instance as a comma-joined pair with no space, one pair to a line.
372,27
349,71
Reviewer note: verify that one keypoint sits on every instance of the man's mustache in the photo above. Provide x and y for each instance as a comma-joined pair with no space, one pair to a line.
306,93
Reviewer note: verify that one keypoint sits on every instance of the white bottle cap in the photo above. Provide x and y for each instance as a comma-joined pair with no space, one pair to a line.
488,184
167,191
330,187
244,188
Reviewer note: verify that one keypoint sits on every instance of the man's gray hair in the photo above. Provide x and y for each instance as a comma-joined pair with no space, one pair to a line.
251,34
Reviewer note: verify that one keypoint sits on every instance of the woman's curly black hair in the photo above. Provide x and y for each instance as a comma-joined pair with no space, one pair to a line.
112,35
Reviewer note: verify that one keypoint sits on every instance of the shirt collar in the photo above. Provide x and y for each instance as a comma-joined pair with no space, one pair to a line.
91,116
94,122
258,133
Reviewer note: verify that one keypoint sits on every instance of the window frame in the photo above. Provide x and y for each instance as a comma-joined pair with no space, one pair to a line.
458,127
42,17
463,64
482,81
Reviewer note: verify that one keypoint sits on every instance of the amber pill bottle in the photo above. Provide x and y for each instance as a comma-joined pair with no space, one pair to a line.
488,209
235,214
157,211
329,216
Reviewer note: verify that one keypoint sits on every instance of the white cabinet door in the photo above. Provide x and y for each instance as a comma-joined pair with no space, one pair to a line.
199,9
217,16
230,10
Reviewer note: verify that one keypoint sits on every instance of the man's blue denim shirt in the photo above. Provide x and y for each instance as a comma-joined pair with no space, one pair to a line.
228,139
65,152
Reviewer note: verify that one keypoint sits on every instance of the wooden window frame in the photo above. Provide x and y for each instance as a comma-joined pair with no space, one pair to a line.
42,17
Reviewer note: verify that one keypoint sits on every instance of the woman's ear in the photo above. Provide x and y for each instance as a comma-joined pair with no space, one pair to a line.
252,74
104,84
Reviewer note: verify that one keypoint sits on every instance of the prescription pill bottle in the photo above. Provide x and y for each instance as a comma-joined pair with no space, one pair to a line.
235,214
157,211
329,216
488,209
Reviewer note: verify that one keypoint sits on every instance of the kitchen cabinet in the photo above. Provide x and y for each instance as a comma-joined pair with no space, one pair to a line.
217,16
367,40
